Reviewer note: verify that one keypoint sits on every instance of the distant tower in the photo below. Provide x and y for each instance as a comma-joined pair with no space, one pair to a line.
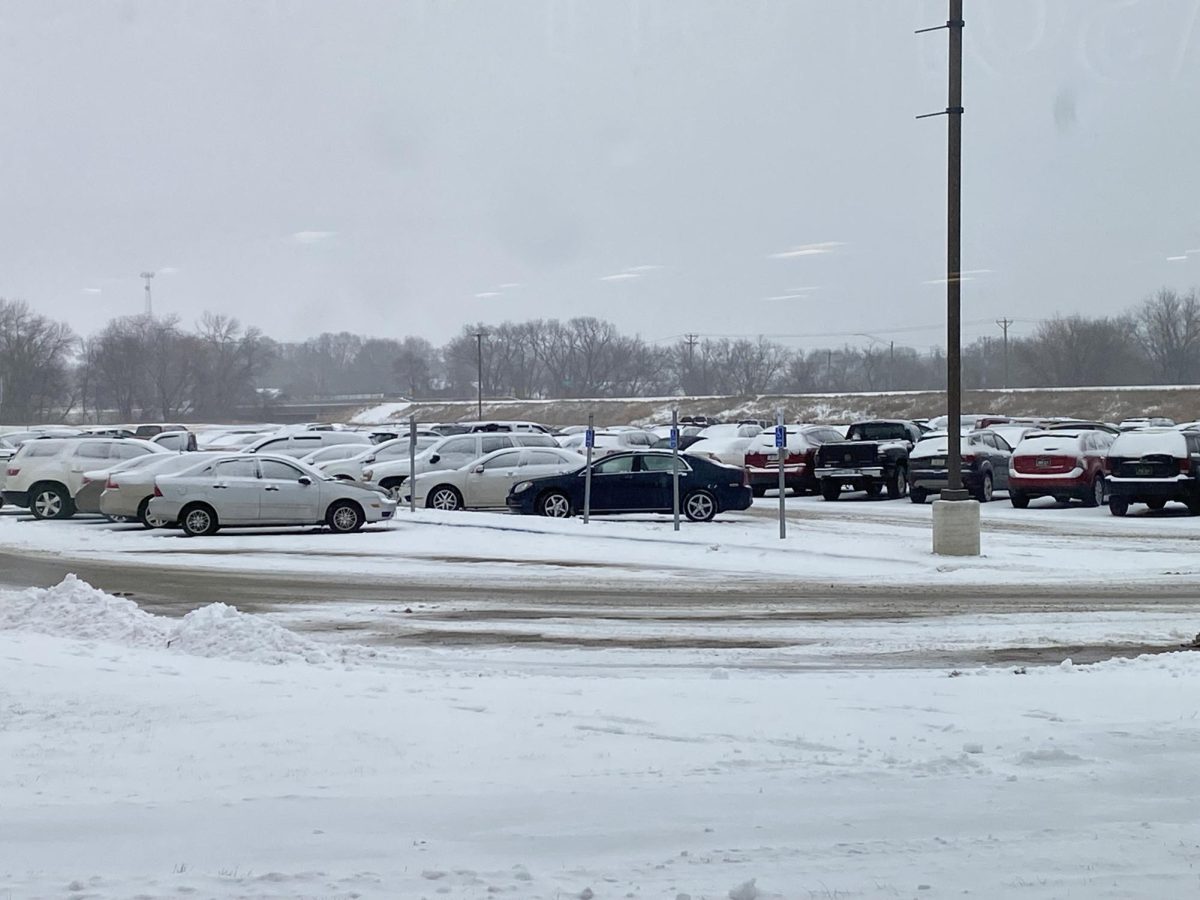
149,302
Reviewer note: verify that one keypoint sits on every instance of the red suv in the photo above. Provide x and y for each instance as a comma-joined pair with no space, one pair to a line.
762,458
1065,465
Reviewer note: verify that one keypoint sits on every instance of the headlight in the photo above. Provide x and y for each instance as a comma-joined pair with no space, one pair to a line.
523,486
368,474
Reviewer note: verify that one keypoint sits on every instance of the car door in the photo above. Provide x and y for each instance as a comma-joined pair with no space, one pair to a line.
284,499
233,490
655,482
489,487
1002,453
612,483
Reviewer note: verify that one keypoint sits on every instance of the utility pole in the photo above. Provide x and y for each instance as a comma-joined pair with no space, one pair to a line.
891,365
691,341
1004,324
956,523
149,303
479,336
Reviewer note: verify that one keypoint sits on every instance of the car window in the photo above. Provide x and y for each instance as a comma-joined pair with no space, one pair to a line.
493,443
280,471
536,439
662,463
128,451
1193,442
35,449
274,443
615,466
503,460
459,446
541,458
92,451
236,468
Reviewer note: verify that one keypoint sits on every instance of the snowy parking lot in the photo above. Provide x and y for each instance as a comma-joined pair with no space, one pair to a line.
554,710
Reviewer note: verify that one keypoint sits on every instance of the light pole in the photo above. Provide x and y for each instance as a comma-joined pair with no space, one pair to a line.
479,336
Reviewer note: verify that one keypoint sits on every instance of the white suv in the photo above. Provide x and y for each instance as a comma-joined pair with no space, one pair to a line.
452,452
45,475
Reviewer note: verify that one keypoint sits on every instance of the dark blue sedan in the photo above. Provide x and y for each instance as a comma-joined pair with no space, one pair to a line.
637,482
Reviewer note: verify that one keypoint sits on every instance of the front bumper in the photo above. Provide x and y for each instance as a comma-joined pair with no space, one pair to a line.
17,498
849,474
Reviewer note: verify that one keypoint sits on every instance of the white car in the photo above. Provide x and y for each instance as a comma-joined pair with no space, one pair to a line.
351,468
485,483
728,450
449,453
730,430
46,474
247,491
611,440
302,443
128,487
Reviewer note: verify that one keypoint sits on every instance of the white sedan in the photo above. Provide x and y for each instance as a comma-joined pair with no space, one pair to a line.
485,483
241,491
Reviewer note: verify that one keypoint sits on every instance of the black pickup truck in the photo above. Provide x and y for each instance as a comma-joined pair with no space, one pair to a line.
874,454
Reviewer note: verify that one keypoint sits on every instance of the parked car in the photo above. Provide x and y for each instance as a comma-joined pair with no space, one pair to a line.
351,468
1082,425
1065,465
127,488
1146,422
985,457
486,482
7,451
178,441
728,450
452,452
93,482
302,443
147,430
874,454
261,490
685,441
46,474
611,441
1154,466
799,464
449,428
637,482
331,454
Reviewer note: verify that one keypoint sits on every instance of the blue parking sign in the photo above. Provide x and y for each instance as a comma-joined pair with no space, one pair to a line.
674,438
589,438
780,436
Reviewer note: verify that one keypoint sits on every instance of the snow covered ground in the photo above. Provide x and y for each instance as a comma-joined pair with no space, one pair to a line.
220,755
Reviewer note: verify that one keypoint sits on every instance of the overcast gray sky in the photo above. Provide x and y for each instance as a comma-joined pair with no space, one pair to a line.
746,166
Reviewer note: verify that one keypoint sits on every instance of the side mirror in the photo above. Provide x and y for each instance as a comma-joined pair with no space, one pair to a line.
305,480
478,470
370,459
434,459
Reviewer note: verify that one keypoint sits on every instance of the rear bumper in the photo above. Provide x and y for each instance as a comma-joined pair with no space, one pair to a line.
742,498
88,498
938,479
121,502
1135,489
769,475
17,498
1050,485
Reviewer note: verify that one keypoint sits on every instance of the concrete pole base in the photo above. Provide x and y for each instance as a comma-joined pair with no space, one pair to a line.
956,527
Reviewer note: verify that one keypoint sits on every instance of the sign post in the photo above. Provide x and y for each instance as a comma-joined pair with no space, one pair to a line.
589,441
781,451
675,465
412,464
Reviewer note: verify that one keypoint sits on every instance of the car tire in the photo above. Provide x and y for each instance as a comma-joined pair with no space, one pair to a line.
700,506
984,494
554,505
830,490
1095,494
345,517
1018,499
917,495
759,490
199,520
444,497
50,501
1118,506
147,520
394,487
897,486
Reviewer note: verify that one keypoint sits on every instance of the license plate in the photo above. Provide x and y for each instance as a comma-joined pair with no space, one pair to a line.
1043,462
1143,471
773,457
937,461
845,473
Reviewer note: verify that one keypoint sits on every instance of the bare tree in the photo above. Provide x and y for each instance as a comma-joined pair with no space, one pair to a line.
34,357
1169,330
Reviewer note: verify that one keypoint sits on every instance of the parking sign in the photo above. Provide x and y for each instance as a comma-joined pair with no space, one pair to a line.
589,438
674,438
780,436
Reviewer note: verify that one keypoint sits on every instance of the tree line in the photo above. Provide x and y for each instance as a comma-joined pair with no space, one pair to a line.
157,368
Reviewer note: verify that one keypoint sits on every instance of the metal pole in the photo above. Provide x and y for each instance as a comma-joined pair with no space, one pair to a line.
479,360
675,465
589,438
954,113
782,450
412,464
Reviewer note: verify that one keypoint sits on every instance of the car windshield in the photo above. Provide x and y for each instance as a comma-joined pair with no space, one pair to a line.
877,431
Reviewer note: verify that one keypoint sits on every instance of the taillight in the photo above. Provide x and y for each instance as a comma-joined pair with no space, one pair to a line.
85,481
1185,465
157,491
1108,466
13,473
111,485
1081,463
968,458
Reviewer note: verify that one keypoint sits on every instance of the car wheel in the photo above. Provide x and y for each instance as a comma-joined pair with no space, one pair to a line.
555,505
394,488
444,497
984,494
1095,497
1156,504
147,520
345,517
1118,506
51,501
1018,499
198,520
700,506
917,495
831,490
897,486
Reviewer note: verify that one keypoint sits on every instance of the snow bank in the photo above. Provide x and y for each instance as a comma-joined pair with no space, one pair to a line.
75,609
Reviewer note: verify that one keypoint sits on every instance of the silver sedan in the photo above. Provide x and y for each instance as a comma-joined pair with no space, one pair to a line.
485,483
243,491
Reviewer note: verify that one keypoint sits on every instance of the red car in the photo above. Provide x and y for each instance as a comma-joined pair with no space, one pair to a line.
762,459
1065,465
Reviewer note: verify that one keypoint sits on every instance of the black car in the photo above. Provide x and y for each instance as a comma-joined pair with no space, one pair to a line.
1153,467
985,458
637,482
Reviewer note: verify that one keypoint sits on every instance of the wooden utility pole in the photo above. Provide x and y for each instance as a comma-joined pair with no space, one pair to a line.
1004,325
